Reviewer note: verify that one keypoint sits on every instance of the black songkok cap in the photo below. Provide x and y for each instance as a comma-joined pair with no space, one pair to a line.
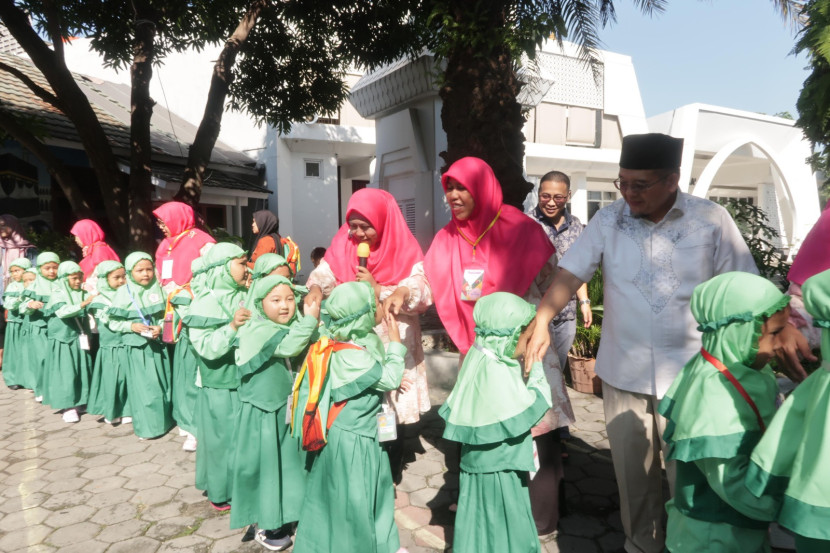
651,151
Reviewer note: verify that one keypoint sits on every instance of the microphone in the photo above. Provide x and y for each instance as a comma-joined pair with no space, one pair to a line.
363,254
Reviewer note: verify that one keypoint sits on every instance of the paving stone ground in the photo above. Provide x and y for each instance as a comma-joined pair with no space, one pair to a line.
93,488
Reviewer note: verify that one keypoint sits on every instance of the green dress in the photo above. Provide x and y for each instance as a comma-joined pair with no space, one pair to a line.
12,345
490,412
268,472
712,428
147,361
790,464
218,296
185,391
68,367
350,499
108,389
35,323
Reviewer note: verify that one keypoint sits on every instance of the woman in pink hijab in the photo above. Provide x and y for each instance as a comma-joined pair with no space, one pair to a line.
182,243
493,247
13,244
395,269
94,250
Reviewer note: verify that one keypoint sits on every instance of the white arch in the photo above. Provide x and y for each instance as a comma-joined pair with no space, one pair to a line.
703,183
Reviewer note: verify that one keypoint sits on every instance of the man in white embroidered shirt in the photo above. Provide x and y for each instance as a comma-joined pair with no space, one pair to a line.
655,245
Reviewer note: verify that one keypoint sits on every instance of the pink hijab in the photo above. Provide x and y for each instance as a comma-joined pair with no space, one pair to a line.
184,244
396,251
512,252
15,246
95,250
813,256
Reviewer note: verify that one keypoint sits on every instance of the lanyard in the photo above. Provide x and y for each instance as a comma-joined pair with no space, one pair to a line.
175,241
144,319
480,236
731,378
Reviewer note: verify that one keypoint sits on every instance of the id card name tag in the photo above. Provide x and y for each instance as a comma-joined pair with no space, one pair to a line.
167,269
289,407
536,464
472,284
147,333
387,429
84,340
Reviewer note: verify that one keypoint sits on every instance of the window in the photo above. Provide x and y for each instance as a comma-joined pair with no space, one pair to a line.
407,207
724,199
313,168
597,200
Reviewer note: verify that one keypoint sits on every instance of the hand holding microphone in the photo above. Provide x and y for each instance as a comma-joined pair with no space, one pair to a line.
363,254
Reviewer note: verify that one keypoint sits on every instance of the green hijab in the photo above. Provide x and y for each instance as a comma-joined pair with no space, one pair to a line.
133,300
41,288
254,339
816,294
707,415
197,269
217,294
351,308
15,288
267,263
106,293
61,291
491,402
21,262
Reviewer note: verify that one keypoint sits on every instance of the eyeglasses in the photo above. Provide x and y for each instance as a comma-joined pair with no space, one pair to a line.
559,198
637,186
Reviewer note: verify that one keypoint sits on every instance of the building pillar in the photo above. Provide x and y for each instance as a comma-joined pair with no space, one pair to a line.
579,195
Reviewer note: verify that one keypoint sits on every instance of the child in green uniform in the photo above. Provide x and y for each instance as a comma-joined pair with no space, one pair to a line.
350,499
136,313
35,298
108,389
267,464
717,409
185,391
12,346
790,464
490,412
215,315
69,364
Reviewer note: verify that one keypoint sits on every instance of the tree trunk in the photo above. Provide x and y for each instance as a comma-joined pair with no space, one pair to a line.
78,109
481,116
198,157
141,186
54,165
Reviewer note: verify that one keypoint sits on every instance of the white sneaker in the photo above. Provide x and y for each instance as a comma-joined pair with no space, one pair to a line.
183,432
71,415
273,540
126,420
39,398
190,443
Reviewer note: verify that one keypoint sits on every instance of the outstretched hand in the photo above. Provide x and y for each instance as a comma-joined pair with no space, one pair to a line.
312,309
792,348
536,346
393,331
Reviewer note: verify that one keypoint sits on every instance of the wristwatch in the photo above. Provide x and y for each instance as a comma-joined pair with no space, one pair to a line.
584,302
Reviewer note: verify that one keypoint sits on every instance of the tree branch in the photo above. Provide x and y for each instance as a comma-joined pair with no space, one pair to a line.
41,92
52,25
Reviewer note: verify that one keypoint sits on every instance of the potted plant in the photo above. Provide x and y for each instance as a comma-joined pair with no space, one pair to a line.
583,353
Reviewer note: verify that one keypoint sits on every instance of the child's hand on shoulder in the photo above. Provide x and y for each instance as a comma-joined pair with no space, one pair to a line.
240,318
392,328
312,309
88,300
